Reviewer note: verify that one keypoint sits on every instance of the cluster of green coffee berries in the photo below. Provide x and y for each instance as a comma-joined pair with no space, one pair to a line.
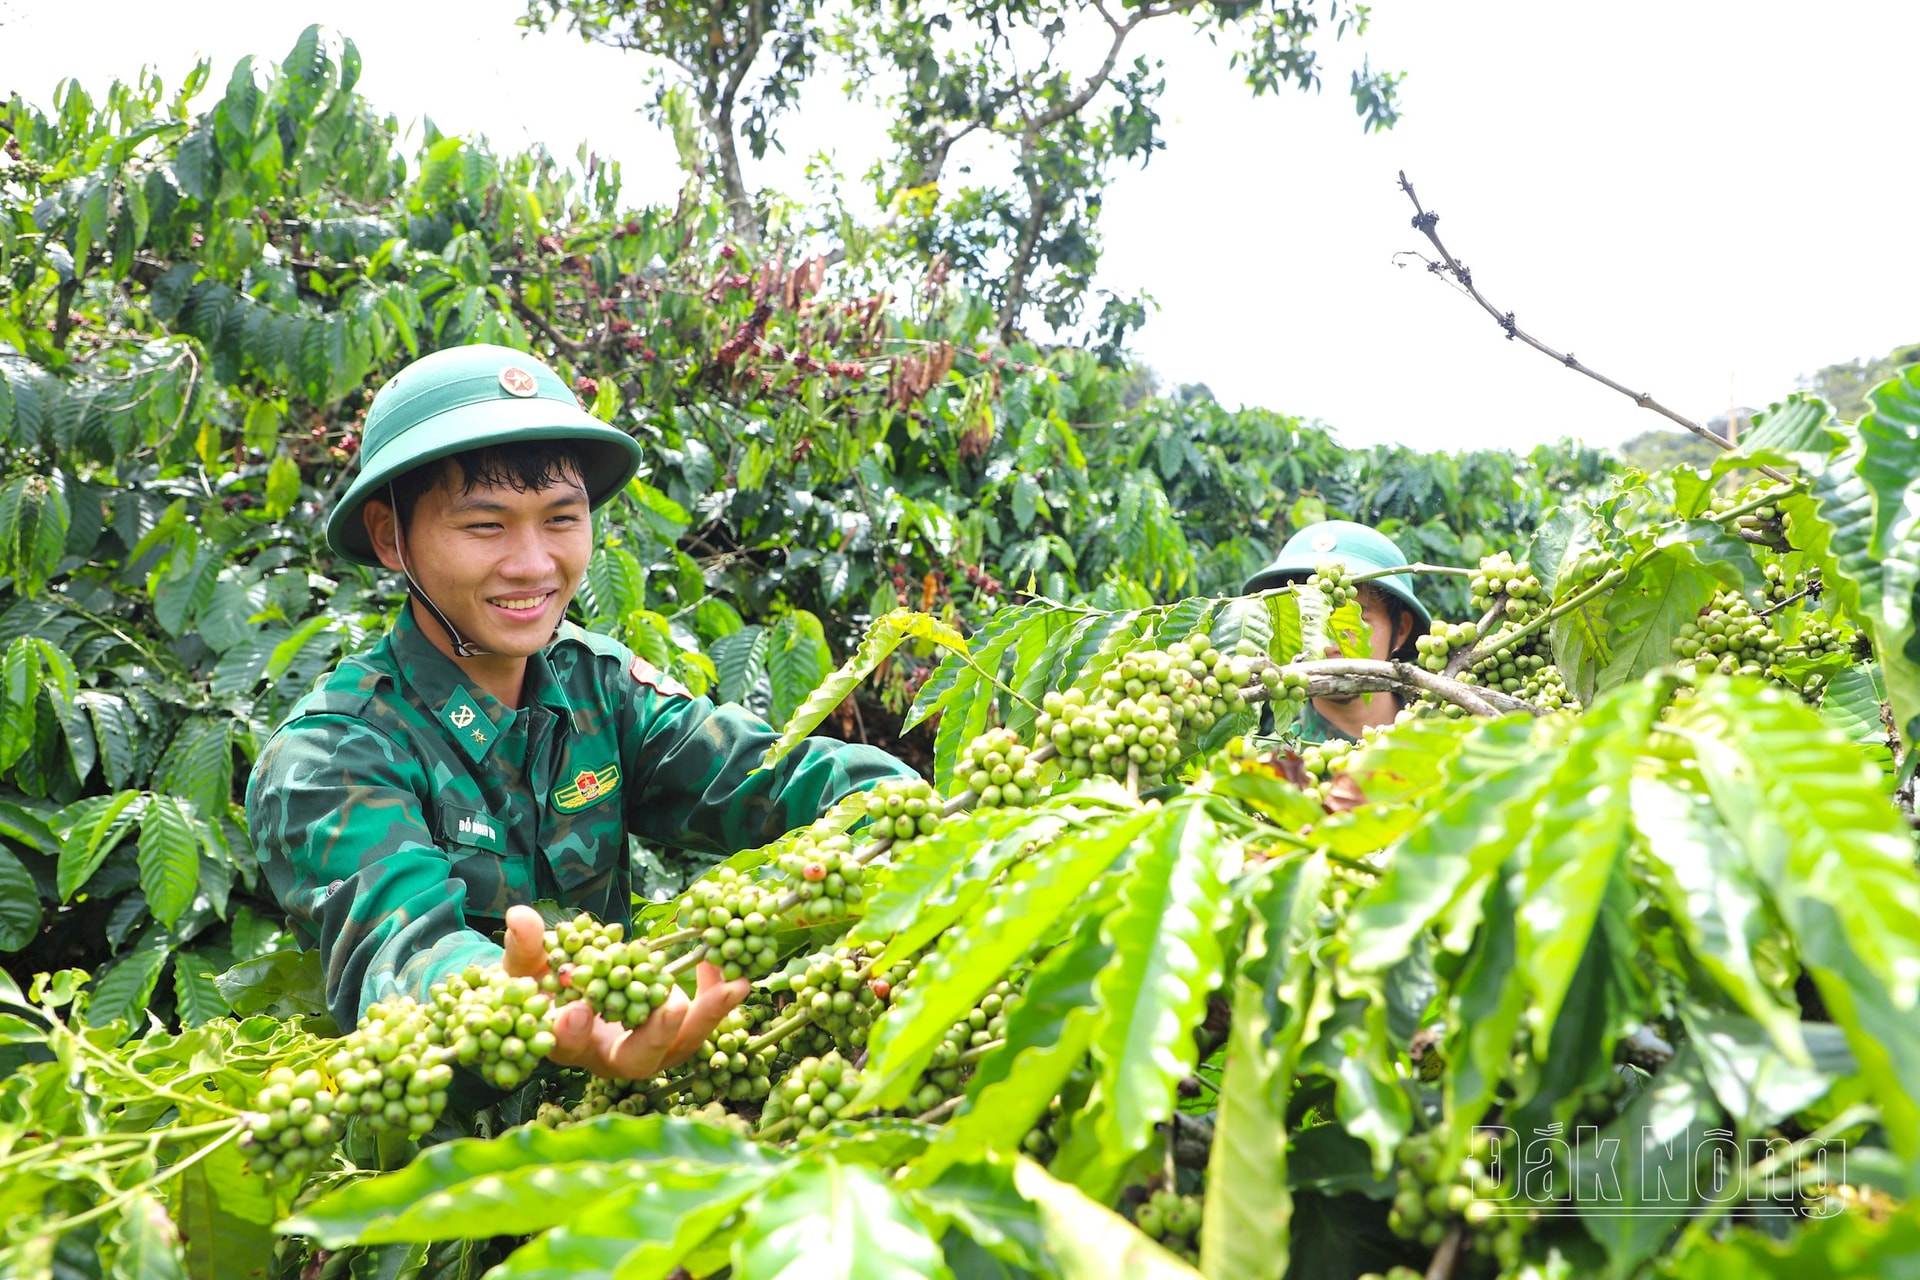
1499,576
392,1071
736,920
997,770
1545,687
1173,1220
621,981
1508,670
1727,637
904,808
292,1125
1332,580
1043,1140
1818,637
1438,645
812,1095
500,1026
1756,520
1430,1196
1284,683
1322,760
825,877
835,989
1144,708
626,1097
727,1067
1781,587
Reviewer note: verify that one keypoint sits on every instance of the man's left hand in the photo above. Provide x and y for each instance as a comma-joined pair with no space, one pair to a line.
581,1038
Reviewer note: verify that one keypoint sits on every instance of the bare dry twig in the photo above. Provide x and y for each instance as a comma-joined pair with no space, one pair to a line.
1424,221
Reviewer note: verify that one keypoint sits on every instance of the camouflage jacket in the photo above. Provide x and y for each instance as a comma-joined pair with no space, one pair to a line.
399,805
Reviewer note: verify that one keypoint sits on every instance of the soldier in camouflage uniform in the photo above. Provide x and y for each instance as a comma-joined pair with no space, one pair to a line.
1393,613
486,753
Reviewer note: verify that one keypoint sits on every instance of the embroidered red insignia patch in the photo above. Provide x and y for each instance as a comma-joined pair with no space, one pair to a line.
587,783
654,678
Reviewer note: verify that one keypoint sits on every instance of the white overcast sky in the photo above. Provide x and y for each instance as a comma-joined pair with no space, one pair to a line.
1704,198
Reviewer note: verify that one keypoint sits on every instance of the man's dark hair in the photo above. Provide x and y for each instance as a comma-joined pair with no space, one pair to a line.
1397,609
521,465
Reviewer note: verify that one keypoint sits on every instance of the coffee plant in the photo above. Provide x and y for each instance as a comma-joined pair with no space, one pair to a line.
1600,960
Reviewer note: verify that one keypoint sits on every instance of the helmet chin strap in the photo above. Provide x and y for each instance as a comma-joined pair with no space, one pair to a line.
462,647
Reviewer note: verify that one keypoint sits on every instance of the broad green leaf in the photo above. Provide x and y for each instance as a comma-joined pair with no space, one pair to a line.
1047,1037
1244,1233
115,734
284,984
1656,1136
1753,1080
283,486
1838,864
1089,1241
883,637
644,1229
1166,958
1843,1246
198,766
148,1244
33,529
930,882
1665,590
1242,618
968,706
24,826
797,661
20,912
972,956
1715,902
89,832
19,694
1799,424
169,858
217,1243
196,997
1486,804
471,1173
123,992
1855,705
979,1197
823,1220
1581,833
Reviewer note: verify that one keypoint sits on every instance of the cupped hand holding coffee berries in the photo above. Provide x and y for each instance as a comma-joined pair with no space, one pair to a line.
585,1040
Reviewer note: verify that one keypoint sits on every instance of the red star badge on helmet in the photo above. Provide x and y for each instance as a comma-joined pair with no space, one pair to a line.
516,381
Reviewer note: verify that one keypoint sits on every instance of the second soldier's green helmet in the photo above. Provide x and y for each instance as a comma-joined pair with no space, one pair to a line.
465,398
1360,548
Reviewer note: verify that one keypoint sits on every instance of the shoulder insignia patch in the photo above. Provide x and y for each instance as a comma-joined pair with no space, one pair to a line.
654,678
589,786
471,727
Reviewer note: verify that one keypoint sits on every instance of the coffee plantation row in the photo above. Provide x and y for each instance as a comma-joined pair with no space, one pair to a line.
1603,961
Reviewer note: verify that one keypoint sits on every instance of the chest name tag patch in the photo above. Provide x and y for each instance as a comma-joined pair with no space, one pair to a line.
476,829
589,786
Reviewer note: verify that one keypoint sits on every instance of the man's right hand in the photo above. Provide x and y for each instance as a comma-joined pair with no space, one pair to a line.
581,1038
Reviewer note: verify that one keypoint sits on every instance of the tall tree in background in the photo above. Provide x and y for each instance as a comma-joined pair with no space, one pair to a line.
1034,102
743,63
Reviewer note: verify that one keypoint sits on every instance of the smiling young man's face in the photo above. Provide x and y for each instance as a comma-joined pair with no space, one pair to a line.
501,559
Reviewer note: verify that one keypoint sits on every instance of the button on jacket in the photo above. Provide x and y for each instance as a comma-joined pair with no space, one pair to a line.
398,805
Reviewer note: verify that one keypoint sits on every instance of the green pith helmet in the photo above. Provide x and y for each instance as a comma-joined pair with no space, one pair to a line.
1360,548
468,398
